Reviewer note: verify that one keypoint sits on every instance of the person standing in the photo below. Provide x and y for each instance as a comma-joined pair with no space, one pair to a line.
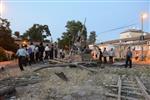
41,51
100,55
128,58
32,47
47,52
22,54
55,50
111,55
37,53
105,54
52,51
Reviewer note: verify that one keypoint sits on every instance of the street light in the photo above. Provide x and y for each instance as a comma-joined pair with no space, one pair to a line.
142,17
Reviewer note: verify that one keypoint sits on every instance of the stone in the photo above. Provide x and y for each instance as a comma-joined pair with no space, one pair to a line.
67,97
81,93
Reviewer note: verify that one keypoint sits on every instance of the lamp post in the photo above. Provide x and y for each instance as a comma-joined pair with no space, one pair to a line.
142,17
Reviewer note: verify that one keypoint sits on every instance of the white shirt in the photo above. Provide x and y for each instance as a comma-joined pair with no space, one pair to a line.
111,53
22,52
47,48
32,47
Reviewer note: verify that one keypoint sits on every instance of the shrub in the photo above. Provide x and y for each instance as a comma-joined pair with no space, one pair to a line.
3,56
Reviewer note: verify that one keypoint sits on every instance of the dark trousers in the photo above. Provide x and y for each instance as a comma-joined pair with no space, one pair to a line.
56,53
46,54
41,56
100,58
32,57
21,62
37,56
128,62
28,60
105,59
111,59
51,54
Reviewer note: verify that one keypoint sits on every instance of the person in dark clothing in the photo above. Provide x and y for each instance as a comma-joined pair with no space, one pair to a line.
51,51
41,51
29,50
56,50
128,58
100,55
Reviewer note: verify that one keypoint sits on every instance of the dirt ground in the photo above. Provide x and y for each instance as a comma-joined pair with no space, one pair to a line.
82,84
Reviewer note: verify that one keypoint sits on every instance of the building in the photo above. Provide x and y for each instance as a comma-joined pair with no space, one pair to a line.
132,41
131,33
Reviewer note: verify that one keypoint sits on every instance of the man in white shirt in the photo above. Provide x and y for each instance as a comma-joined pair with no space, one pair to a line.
32,52
105,54
111,55
22,54
47,50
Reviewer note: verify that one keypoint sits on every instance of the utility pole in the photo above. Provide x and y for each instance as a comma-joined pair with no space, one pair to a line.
142,17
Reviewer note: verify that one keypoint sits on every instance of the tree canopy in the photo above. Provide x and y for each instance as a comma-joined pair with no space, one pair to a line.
92,37
75,32
37,32
6,41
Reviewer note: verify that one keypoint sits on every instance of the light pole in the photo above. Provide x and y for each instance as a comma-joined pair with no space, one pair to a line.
142,17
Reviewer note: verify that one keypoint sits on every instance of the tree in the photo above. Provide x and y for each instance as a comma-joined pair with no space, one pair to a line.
75,32
92,37
6,41
17,34
37,32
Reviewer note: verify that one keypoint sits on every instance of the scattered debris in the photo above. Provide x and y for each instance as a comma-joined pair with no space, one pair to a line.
62,76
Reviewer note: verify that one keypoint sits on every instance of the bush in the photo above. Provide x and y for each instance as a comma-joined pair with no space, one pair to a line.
3,56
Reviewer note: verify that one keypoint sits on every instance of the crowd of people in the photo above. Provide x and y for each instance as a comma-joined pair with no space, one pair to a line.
104,55
31,54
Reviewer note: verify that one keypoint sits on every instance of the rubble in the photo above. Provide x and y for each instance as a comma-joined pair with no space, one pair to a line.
82,85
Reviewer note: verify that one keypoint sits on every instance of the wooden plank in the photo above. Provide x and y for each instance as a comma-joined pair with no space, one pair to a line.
89,69
54,61
123,97
66,64
142,87
112,86
119,88
129,92
126,87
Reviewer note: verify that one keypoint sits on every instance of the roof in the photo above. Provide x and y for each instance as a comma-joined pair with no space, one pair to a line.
146,37
134,30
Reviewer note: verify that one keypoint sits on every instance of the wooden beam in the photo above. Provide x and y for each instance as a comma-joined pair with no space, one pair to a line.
119,88
142,87
123,97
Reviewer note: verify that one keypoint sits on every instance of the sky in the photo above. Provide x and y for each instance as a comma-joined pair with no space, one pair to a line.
101,15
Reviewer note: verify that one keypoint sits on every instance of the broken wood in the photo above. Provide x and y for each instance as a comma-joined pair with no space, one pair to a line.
67,64
89,69
123,97
119,88
142,87
62,76
55,61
